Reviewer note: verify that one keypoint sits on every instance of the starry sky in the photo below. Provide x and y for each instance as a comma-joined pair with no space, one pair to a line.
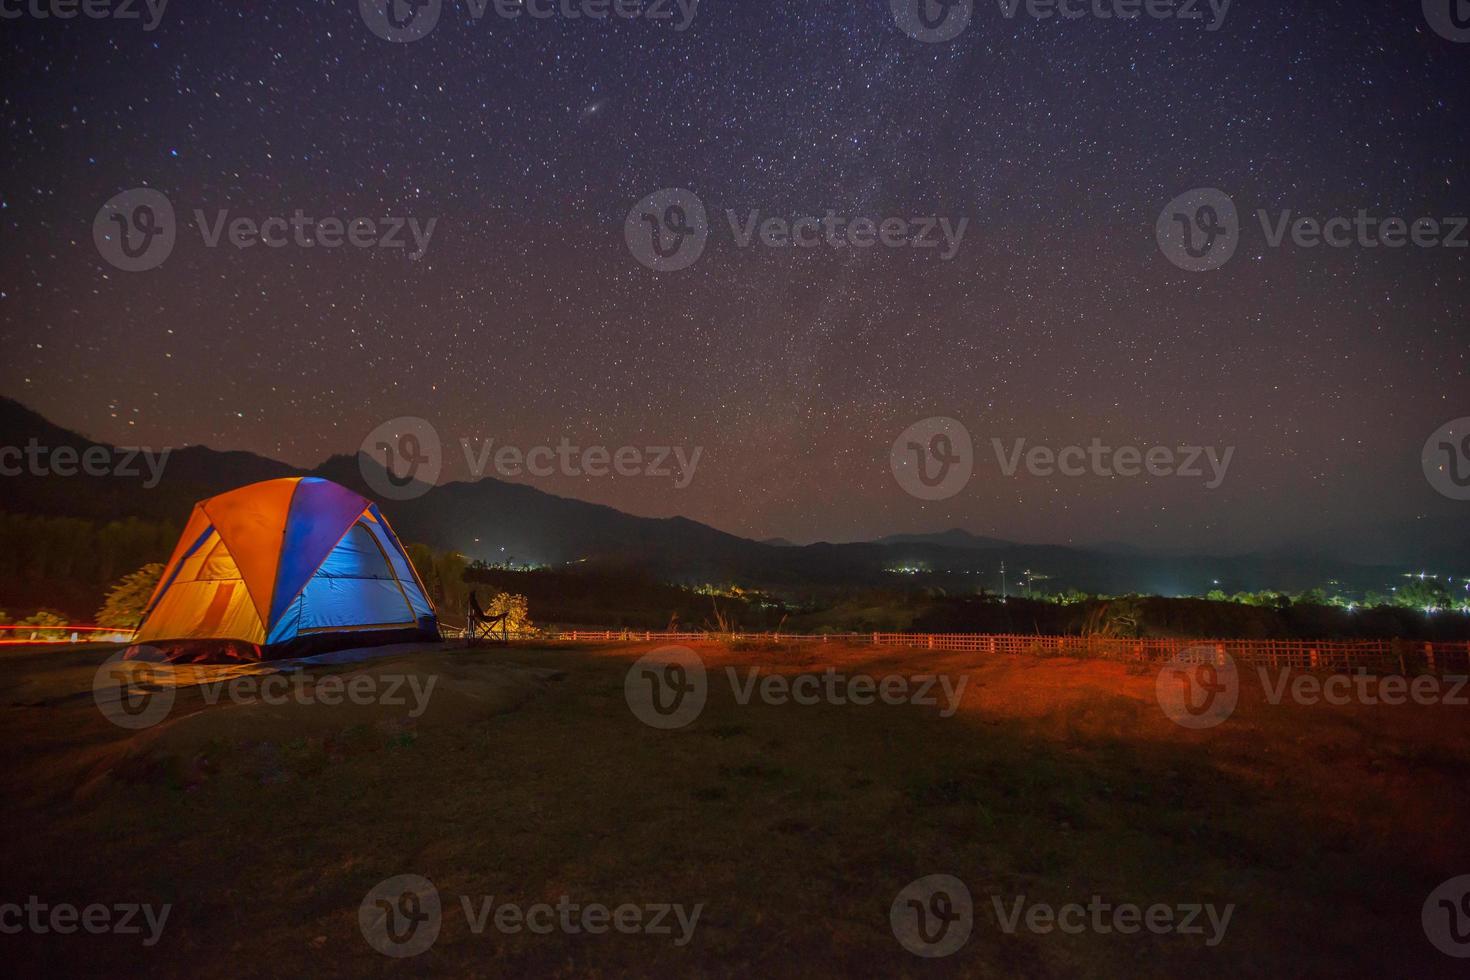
528,321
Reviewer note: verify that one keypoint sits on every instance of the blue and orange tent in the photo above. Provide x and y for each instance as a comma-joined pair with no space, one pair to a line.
284,568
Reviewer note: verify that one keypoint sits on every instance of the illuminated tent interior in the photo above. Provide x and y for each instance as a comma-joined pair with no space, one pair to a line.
283,568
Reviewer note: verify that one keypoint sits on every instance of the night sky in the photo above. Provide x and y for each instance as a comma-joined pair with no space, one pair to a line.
528,320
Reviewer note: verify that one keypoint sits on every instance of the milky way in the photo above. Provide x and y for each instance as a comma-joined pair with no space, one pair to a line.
527,320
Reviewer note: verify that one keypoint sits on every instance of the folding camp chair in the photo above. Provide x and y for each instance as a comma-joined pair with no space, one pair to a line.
480,625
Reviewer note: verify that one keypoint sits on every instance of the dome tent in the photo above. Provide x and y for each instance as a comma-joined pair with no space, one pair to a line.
284,568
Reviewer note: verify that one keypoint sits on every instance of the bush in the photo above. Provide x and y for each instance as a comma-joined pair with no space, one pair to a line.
518,616
44,617
127,600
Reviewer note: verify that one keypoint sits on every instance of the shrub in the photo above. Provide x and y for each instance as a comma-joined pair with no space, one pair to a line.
518,616
44,617
128,598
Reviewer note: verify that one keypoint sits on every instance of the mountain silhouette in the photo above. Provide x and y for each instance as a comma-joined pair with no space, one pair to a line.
499,521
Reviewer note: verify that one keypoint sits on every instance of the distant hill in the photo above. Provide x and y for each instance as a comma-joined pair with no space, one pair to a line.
498,521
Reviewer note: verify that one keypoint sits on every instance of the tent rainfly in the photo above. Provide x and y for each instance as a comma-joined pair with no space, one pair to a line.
283,568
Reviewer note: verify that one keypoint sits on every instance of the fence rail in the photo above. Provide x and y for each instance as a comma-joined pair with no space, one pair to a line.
30,634
1404,656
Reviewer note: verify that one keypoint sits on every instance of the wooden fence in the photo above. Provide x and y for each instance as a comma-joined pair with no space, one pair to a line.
1388,656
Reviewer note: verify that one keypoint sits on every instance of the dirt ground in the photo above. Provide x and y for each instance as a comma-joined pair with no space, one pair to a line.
527,777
